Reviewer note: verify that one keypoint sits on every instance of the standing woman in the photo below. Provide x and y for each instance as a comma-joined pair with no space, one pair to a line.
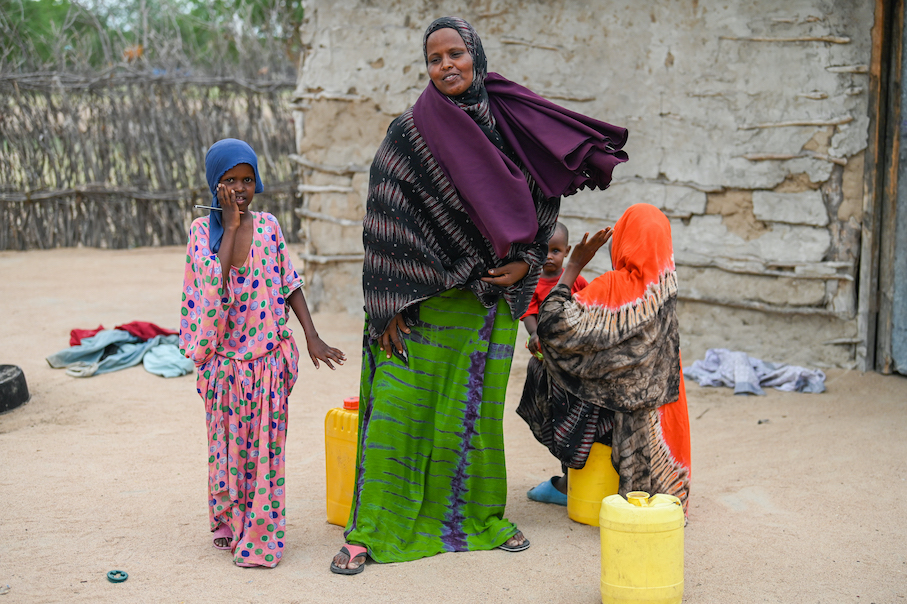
463,196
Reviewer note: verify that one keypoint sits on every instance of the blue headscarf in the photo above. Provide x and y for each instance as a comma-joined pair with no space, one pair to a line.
221,157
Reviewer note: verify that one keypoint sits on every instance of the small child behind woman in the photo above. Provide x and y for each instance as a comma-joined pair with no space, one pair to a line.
558,249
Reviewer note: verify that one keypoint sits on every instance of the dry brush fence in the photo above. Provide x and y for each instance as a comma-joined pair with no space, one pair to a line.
116,159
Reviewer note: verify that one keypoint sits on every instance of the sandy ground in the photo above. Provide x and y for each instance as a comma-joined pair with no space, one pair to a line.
109,473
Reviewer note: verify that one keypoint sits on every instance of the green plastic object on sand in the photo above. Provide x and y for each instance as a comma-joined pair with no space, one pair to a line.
117,576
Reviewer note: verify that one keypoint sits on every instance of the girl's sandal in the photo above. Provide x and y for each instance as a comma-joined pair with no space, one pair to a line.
222,532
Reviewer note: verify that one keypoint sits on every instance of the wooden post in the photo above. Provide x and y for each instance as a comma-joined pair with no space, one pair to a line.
886,37
888,203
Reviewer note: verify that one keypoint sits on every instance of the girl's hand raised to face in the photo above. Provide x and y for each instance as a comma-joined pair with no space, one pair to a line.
585,250
230,215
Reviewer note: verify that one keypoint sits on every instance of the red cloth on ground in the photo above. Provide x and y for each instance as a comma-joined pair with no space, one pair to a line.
77,335
145,330
140,329
544,287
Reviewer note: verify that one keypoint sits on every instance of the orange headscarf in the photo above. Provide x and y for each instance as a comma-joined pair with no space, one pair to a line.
641,256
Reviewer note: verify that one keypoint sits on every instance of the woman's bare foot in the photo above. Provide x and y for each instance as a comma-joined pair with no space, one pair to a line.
561,484
349,560
517,543
222,537
517,540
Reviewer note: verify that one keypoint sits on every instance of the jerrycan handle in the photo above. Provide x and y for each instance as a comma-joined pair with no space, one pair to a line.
638,498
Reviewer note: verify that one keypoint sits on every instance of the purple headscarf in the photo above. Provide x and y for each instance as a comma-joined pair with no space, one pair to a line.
564,151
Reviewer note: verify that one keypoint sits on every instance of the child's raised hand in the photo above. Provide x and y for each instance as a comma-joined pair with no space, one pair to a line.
230,213
585,250
533,344
319,351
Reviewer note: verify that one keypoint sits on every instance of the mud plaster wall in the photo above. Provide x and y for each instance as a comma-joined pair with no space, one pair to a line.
748,123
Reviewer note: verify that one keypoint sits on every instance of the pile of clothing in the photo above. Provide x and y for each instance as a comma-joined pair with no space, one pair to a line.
747,375
97,351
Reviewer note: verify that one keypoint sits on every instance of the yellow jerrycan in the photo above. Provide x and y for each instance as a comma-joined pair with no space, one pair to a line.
341,432
587,487
642,549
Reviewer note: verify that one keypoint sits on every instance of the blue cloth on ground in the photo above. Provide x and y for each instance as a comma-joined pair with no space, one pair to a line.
91,350
115,349
166,360
746,375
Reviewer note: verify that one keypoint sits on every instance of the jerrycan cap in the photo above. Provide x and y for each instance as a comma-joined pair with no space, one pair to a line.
638,498
351,403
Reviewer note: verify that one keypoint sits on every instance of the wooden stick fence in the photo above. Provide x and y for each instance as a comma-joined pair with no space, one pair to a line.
116,159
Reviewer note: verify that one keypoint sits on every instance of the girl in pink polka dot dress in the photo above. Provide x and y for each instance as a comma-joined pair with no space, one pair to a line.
239,284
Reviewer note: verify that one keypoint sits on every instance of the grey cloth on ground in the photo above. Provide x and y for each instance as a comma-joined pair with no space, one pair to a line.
746,375
115,349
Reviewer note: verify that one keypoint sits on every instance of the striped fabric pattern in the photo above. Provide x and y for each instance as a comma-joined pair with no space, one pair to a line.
566,425
419,241
431,476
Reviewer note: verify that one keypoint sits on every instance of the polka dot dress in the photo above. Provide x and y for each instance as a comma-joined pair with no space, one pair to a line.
247,364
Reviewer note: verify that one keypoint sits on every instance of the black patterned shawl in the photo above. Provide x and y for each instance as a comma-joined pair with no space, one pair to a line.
419,241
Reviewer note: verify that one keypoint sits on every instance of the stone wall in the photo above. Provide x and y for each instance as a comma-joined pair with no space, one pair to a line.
748,123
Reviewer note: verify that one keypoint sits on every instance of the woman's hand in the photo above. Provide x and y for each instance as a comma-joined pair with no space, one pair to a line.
391,336
585,250
319,351
508,274
230,214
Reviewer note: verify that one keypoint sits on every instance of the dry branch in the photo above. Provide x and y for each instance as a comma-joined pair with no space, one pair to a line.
841,161
328,96
767,308
505,40
838,121
64,81
324,189
821,271
848,69
665,181
306,213
339,170
830,39
568,96
317,259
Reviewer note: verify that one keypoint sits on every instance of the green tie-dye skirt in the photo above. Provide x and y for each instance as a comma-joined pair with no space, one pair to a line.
431,475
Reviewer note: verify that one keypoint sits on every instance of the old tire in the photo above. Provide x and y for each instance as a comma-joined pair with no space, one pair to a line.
13,389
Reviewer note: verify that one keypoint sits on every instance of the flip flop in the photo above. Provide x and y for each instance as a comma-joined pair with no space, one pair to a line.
222,532
515,548
352,551
547,493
